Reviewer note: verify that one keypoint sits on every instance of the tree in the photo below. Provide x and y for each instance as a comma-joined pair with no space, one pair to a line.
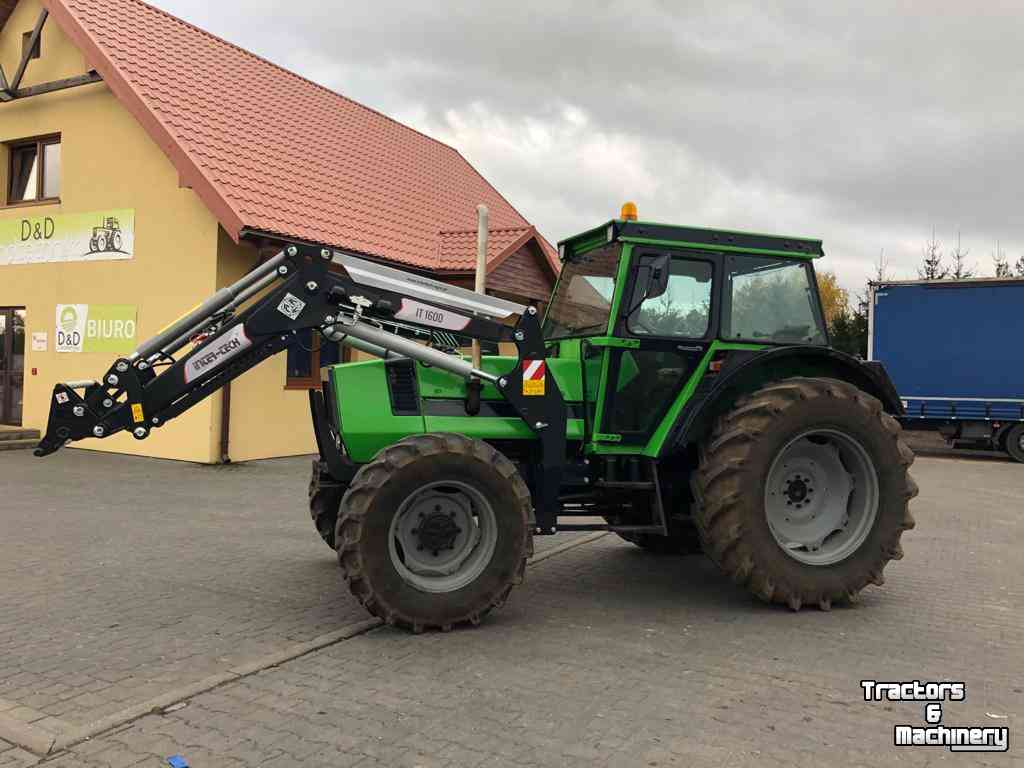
1000,262
835,300
960,270
1019,267
932,267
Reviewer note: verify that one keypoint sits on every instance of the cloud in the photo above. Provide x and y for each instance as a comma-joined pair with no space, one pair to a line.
864,125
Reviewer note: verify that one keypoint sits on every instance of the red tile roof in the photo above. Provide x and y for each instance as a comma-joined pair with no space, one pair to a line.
269,151
457,248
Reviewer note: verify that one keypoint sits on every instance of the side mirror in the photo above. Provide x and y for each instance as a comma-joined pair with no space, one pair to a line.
652,273
658,283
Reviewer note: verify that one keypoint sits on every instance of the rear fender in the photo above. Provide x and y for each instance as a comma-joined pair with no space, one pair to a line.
745,371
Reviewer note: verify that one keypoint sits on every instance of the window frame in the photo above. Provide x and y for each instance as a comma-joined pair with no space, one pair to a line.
816,308
40,143
313,380
712,258
37,49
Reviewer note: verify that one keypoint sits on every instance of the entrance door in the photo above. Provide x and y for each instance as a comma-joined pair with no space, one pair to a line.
12,364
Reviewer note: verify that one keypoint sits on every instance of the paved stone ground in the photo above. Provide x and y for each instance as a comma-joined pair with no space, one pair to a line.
124,576
607,656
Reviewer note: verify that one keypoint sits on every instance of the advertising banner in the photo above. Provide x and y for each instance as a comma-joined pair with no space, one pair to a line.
96,328
45,239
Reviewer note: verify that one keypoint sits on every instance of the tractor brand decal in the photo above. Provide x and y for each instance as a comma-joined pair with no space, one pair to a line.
138,415
96,236
96,328
534,376
291,306
424,314
218,352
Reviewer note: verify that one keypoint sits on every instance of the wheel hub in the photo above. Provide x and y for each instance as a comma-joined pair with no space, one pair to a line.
797,489
821,497
436,531
442,536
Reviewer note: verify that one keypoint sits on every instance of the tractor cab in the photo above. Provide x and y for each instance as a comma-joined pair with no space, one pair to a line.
648,308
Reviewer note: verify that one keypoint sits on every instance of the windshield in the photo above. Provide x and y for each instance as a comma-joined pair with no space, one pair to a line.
583,298
771,300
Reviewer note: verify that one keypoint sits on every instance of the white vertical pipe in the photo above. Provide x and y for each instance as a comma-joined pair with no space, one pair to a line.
481,268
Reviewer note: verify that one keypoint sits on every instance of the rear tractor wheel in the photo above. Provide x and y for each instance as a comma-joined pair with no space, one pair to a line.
434,532
803,492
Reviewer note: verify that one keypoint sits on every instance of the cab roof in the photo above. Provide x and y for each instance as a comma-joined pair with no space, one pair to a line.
652,233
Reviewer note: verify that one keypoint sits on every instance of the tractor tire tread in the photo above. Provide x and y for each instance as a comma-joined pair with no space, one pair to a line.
721,486
368,481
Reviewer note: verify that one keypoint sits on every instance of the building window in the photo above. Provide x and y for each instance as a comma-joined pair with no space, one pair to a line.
306,357
34,170
36,49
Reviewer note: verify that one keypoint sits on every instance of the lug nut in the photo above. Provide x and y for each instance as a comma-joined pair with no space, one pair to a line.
532,310
140,432
292,251
325,254
520,335
283,270
108,403
78,410
122,367
311,286
112,380
98,431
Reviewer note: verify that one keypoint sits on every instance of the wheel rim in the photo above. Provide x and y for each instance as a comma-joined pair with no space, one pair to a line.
443,537
821,497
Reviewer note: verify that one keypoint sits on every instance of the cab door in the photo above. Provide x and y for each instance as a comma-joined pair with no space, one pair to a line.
665,325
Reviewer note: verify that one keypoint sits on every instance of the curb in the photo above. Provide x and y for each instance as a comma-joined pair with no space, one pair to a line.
43,743
26,736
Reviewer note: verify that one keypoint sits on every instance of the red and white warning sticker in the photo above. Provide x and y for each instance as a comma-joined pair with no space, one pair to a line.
534,375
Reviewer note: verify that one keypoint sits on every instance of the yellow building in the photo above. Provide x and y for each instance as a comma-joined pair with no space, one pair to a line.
144,163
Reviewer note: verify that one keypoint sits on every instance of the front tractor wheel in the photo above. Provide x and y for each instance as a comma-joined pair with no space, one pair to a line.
434,532
803,492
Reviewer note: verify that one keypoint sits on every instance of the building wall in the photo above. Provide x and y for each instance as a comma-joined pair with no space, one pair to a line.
108,162
267,420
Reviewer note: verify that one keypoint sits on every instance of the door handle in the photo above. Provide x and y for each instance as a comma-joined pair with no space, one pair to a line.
684,348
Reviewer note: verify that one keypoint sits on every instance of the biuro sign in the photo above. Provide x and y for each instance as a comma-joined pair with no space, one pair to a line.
97,236
95,328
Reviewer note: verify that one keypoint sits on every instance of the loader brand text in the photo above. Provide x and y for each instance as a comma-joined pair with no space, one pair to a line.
216,354
957,738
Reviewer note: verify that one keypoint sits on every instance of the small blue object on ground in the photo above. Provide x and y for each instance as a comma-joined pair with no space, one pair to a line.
177,761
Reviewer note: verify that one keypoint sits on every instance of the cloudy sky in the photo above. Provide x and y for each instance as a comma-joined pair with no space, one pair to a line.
864,127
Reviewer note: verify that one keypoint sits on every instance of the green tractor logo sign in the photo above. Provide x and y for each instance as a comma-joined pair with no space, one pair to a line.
69,319
106,237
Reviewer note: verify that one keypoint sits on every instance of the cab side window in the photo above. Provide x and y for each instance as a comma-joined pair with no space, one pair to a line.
684,309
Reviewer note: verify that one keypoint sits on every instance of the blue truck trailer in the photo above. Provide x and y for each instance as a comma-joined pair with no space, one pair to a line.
955,351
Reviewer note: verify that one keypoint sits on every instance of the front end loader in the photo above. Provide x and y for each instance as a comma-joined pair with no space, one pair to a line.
679,391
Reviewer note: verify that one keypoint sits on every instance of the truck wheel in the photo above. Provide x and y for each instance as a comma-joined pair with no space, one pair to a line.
803,492
434,531
1015,443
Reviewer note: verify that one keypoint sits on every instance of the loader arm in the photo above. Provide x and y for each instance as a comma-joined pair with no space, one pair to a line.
303,287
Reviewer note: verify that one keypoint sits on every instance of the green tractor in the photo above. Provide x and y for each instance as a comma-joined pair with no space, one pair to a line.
678,390
106,237
706,412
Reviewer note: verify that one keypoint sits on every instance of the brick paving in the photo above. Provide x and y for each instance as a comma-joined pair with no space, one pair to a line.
606,656
125,576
